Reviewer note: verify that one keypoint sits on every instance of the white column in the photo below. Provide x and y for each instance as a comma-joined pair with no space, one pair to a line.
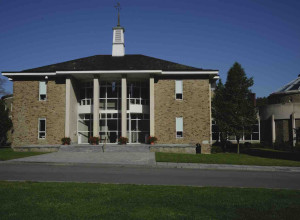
68,107
293,129
273,129
96,108
151,87
210,124
124,107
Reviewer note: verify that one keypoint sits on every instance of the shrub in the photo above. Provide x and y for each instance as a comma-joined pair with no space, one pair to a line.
216,149
94,140
123,140
152,139
66,140
281,145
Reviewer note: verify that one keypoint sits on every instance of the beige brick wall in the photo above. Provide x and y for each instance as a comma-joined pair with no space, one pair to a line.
194,108
27,109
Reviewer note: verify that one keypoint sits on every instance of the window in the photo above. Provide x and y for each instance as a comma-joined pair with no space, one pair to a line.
179,127
43,91
42,128
178,89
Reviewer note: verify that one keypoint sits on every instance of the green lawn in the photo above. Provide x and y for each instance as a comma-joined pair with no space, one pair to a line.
27,200
224,158
8,154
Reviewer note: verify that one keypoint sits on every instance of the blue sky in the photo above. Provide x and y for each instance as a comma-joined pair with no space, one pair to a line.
262,35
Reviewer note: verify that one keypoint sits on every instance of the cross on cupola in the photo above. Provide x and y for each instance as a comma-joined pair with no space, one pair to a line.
118,48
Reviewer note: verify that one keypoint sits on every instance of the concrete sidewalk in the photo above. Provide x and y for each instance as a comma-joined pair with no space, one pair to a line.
119,158
115,155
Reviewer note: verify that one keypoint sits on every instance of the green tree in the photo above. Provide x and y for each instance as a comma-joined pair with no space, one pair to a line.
261,102
219,113
241,114
2,90
5,123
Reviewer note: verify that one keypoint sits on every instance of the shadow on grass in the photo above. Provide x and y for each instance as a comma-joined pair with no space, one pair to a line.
273,154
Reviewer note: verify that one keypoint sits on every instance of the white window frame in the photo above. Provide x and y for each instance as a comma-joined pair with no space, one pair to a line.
179,130
176,89
40,91
39,128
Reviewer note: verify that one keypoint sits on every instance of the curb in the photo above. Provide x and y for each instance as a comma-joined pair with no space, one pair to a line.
174,165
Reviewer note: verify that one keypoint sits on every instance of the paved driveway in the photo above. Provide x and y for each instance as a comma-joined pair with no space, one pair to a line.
131,155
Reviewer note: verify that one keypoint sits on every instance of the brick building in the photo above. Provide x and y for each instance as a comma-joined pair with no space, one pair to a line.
110,96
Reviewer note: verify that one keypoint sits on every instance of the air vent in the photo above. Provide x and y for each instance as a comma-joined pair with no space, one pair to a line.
118,36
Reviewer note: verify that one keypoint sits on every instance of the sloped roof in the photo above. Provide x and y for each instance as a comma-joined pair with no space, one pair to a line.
291,87
108,62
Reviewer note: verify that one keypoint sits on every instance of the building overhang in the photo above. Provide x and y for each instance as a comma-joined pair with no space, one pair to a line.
212,73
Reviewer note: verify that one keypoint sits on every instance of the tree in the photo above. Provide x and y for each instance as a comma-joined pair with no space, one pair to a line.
261,102
241,114
219,113
2,90
5,123
233,107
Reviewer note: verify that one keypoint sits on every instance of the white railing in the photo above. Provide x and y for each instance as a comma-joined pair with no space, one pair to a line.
86,101
138,101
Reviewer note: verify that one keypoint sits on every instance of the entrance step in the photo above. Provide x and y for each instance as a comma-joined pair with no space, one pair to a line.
105,148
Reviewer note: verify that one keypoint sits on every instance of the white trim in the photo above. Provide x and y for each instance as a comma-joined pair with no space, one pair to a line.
113,71
179,120
190,72
28,74
109,71
176,89
39,119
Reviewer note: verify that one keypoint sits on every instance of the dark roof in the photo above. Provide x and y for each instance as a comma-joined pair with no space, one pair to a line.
108,62
6,96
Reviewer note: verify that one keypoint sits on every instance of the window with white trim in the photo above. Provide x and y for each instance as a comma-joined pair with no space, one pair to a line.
179,127
42,128
178,89
42,90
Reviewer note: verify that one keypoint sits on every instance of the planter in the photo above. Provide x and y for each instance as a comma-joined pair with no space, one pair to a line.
152,143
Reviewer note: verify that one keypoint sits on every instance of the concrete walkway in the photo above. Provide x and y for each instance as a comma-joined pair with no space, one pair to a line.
109,154
130,155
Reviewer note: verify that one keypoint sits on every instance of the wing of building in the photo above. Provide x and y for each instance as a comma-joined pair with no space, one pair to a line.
109,96
281,117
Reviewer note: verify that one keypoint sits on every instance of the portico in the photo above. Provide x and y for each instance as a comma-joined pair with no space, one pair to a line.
109,106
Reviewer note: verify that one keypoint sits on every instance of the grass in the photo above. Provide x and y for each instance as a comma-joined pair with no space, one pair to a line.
29,200
9,154
224,158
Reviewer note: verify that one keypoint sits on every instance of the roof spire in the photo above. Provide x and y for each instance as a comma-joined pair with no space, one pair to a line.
118,7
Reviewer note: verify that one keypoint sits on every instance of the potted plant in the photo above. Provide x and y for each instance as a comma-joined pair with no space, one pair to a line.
123,140
94,140
66,141
152,140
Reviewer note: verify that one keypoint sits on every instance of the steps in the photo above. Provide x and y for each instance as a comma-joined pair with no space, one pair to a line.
103,149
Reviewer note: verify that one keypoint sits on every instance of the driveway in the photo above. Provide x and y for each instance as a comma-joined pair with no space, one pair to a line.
110,154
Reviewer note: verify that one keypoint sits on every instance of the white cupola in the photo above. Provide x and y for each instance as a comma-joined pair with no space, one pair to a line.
118,47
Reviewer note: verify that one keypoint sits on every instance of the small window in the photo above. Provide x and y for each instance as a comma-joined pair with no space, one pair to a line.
43,91
179,127
42,128
178,89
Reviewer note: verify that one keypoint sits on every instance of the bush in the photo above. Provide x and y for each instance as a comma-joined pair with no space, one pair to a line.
123,140
94,140
152,139
216,149
281,145
66,141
